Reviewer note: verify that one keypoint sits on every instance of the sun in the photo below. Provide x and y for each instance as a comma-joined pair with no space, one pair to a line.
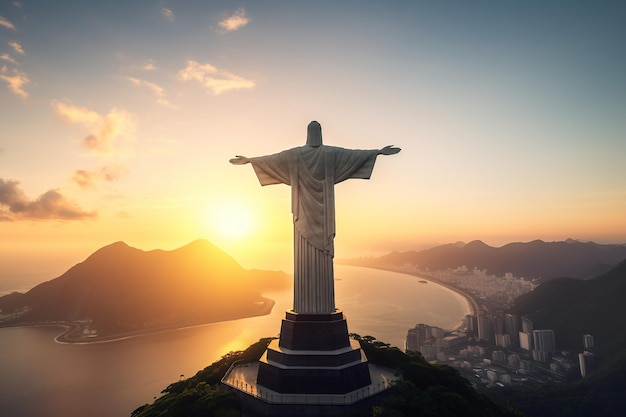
232,220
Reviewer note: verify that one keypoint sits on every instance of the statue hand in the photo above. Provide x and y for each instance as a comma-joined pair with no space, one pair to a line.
239,160
388,150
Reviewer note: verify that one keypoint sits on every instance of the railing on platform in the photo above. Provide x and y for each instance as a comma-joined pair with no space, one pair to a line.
314,399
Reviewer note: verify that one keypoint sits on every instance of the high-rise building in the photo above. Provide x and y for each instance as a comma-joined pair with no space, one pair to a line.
526,341
471,324
485,331
417,336
527,325
544,344
544,341
414,339
511,327
585,361
498,323
503,340
587,341
437,333
541,356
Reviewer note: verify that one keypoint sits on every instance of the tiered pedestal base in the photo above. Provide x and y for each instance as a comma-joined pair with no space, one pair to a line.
314,355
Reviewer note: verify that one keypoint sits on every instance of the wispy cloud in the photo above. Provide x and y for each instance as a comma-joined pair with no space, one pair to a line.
105,130
169,14
15,81
87,179
156,89
17,47
51,205
7,24
216,80
8,58
235,21
149,65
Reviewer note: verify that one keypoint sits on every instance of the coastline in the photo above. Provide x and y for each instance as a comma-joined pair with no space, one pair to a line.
73,333
474,305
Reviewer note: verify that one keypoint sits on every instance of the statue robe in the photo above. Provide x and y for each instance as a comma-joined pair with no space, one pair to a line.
312,173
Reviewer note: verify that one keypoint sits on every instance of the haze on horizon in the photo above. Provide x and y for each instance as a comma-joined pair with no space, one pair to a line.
118,121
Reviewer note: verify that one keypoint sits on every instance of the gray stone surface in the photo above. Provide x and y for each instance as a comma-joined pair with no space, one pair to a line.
312,171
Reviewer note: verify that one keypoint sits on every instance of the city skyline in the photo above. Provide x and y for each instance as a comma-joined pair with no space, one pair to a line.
119,119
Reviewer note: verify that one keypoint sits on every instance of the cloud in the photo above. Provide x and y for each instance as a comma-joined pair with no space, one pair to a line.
147,65
235,21
8,58
17,47
104,130
216,80
150,65
5,23
155,88
87,179
168,14
51,205
16,81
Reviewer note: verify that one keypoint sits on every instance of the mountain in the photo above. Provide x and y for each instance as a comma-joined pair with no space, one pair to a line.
120,289
532,260
572,308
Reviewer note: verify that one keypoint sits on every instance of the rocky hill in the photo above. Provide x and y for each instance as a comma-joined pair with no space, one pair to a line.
122,289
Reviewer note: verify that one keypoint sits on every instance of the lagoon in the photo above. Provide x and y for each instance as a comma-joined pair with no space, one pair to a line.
40,377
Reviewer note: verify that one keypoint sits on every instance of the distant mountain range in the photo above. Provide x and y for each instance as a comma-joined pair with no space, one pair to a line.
123,289
533,260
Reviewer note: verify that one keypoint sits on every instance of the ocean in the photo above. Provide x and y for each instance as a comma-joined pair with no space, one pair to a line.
40,377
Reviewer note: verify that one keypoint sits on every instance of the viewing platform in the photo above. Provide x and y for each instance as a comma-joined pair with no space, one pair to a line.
242,377
313,369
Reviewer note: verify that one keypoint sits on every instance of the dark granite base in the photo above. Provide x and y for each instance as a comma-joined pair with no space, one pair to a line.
313,381
314,355
342,358
314,332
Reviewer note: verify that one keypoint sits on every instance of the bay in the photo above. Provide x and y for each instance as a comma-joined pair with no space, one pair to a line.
40,377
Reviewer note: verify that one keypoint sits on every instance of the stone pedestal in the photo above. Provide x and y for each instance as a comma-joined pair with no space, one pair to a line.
314,355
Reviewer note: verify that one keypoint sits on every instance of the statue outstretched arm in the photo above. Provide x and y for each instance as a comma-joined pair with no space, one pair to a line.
239,160
388,150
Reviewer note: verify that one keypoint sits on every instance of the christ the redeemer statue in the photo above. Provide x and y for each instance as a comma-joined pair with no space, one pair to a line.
312,172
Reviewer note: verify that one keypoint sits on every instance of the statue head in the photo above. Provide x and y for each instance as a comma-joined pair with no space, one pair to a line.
314,134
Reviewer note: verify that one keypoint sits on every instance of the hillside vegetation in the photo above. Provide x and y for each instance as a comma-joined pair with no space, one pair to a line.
425,389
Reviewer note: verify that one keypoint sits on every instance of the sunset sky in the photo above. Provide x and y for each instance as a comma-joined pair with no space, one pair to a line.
117,120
